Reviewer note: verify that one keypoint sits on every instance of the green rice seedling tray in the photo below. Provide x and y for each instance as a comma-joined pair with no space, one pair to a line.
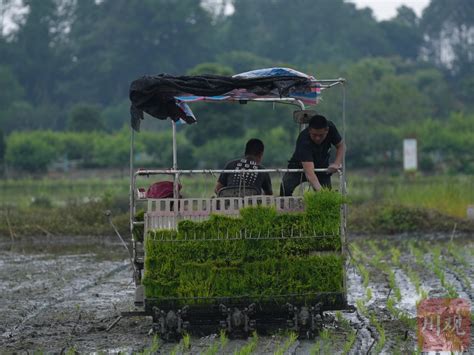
260,255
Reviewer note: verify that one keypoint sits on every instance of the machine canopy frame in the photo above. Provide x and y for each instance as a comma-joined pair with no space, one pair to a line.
165,96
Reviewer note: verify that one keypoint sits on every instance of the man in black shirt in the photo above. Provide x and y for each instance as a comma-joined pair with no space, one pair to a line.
253,157
312,152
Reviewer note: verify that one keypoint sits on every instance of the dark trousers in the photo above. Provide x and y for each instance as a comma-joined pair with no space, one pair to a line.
291,180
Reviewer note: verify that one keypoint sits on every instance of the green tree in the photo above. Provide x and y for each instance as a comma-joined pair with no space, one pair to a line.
433,84
242,61
2,146
214,120
210,68
10,95
448,26
37,56
18,116
85,118
117,115
11,88
112,150
30,153
216,152
79,146
403,33
304,31
279,146
379,99
446,143
159,146
111,46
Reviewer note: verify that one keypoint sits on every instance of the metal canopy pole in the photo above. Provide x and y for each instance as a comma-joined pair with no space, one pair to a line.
343,190
344,133
132,180
175,162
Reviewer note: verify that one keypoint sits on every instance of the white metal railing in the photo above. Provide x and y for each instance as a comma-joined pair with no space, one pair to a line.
145,172
166,213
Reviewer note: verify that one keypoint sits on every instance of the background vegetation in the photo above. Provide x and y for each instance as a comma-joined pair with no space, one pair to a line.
65,67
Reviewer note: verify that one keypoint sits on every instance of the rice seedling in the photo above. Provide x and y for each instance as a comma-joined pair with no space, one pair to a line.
347,327
368,293
395,256
292,338
437,266
342,321
323,345
316,348
393,285
358,255
223,339
453,250
417,253
413,277
361,307
461,274
185,264
250,347
71,351
377,255
186,342
365,275
349,342
381,331
379,264
326,337
385,268
176,349
423,295
153,348
400,315
213,349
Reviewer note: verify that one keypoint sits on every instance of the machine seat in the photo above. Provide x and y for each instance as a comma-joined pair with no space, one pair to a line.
238,191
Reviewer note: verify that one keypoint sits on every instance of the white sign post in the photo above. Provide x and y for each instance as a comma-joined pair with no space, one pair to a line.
410,158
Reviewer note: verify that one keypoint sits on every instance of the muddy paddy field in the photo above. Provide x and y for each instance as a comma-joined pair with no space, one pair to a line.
62,295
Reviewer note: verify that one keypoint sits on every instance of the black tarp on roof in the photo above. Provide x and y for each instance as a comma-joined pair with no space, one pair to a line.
157,95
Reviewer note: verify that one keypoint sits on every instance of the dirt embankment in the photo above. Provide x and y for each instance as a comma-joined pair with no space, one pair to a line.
89,219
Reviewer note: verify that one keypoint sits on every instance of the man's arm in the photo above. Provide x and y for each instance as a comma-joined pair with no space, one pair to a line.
308,167
218,187
222,181
337,164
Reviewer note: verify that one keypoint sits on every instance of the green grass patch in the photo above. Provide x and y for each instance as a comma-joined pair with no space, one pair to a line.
74,219
383,218
379,205
447,194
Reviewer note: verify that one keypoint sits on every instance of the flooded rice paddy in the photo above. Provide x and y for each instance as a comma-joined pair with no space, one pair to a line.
61,295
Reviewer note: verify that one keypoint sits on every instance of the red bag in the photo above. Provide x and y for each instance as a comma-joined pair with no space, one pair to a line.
162,189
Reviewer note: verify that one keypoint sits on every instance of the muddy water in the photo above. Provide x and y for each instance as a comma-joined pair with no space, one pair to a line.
63,293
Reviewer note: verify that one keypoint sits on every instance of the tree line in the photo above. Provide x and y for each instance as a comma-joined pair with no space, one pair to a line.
444,147
67,66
